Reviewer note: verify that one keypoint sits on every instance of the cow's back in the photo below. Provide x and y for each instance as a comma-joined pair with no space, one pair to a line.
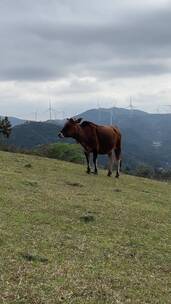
89,140
103,139
106,138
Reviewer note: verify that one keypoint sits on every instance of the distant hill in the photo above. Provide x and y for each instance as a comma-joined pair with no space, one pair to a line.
32,134
146,137
58,122
15,121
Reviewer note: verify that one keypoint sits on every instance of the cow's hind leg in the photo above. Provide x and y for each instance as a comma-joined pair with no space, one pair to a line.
110,155
118,160
95,162
87,155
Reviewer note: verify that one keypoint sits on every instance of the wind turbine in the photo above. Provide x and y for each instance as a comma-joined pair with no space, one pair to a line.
159,109
33,114
58,112
112,111
111,116
131,106
50,110
169,106
99,112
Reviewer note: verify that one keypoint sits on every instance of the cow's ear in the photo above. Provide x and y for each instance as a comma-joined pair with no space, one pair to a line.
78,120
71,120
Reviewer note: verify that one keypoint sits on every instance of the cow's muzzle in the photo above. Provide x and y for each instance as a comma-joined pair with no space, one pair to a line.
61,135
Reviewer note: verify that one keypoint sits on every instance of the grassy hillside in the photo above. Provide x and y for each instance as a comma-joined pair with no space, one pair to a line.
66,237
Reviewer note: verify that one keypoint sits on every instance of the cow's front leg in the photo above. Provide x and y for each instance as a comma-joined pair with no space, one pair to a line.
87,155
95,162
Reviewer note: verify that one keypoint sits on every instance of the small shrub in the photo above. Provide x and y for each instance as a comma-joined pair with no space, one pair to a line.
33,258
88,217
62,151
144,170
28,166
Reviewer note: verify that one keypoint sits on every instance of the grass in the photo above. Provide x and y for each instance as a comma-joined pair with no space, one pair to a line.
67,237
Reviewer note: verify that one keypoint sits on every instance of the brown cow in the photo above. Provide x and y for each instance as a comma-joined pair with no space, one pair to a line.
95,139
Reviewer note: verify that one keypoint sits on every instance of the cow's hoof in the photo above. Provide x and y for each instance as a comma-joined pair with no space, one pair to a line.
109,174
88,171
95,172
117,176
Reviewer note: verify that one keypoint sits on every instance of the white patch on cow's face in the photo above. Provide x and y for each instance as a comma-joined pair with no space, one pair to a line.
69,129
61,135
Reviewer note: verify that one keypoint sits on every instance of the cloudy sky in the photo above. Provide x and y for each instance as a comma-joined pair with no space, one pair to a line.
81,54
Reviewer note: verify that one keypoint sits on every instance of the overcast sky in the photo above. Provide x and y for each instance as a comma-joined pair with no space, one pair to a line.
81,54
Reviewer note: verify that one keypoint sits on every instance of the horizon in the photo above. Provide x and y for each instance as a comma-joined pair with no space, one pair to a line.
80,113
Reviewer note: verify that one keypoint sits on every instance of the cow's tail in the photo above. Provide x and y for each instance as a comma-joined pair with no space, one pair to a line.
118,151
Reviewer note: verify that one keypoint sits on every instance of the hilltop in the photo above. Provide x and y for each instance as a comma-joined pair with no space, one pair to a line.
67,237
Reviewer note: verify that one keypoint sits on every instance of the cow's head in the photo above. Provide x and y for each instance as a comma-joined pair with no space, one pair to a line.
70,128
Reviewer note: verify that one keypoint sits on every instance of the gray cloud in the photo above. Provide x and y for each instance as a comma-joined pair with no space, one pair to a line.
45,40
132,70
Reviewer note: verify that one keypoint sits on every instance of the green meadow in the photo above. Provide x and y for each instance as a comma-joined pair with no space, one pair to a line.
68,237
